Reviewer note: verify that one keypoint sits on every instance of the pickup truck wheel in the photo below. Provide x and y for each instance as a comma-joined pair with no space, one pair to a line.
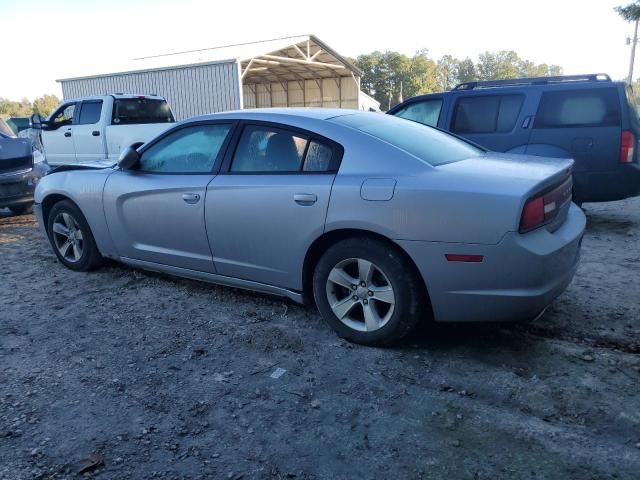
21,209
71,237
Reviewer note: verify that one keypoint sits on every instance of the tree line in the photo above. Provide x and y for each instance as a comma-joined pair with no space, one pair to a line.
391,76
43,105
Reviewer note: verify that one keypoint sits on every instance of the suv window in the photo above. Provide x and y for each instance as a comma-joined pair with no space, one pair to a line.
90,112
427,112
269,149
487,113
64,115
428,144
127,111
188,150
578,108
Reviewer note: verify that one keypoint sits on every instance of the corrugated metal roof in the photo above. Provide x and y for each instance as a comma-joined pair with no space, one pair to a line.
223,54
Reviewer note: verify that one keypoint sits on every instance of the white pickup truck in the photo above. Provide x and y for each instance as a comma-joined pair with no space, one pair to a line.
97,129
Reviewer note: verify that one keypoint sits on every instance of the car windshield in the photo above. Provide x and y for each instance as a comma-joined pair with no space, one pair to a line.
428,144
127,111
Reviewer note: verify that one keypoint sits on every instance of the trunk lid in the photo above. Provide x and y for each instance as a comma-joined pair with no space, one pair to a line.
521,176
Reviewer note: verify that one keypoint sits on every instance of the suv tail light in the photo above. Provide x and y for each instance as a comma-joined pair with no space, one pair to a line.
627,146
544,207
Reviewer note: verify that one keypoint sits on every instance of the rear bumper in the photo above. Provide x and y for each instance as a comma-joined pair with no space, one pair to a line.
517,279
623,182
16,188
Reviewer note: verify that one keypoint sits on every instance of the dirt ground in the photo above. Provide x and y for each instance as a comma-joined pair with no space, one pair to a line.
120,374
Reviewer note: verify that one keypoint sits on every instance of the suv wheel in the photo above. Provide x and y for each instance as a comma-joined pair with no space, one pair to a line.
71,237
367,292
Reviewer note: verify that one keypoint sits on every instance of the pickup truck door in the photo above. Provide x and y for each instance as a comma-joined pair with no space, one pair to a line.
155,211
57,135
87,132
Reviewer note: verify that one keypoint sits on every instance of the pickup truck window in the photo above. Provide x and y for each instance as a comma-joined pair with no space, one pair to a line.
129,111
90,112
64,115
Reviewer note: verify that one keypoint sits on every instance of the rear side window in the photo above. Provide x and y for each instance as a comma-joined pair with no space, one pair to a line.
579,108
426,112
487,113
428,144
90,112
128,111
268,149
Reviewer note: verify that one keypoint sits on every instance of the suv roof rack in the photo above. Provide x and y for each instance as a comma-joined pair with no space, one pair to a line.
591,77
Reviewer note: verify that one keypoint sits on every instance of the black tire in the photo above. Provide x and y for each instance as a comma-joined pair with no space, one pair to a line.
395,269
90,257
22,209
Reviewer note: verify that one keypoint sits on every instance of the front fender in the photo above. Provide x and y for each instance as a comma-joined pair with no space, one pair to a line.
85,189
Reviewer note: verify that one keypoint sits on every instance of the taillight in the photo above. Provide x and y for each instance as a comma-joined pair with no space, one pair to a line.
532,215
544,207
627,146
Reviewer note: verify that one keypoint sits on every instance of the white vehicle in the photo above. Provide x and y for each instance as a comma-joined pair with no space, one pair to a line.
97,129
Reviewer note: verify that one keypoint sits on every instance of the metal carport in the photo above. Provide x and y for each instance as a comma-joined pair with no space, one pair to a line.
297,71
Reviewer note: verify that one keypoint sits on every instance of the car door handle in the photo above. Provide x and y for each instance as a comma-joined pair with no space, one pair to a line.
95,133
67,134
191,198
305,199
527,121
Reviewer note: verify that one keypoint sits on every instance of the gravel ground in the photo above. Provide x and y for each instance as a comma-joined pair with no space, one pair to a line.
123,374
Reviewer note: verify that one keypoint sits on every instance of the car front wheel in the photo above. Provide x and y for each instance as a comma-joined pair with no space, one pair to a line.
367,291
71,237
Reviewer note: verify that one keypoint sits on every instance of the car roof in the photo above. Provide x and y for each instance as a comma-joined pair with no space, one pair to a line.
279,113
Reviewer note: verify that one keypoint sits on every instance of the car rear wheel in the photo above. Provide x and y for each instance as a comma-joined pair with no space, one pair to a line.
367,291
21,209
71,237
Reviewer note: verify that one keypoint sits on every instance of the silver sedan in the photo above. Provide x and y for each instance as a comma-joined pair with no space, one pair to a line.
381,222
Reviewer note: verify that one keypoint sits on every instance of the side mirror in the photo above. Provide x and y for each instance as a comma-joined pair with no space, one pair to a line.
129,157
35,121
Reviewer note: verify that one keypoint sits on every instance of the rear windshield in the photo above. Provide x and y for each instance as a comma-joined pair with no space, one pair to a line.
428,144
598,107
127,111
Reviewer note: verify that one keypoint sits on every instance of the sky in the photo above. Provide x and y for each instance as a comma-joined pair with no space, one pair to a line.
49,39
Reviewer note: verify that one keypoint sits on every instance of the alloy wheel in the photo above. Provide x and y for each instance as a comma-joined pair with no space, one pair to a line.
67,237
360,294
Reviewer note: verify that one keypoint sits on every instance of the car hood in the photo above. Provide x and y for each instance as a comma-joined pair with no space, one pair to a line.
518,173
13,148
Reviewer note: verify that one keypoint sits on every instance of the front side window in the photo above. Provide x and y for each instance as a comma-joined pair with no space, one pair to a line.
188,150
129,111
90,112
268,149
64,115
487,113
426,112
428,144
578,108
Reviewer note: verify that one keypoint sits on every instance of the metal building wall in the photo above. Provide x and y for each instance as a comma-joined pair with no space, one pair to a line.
339,92
190,90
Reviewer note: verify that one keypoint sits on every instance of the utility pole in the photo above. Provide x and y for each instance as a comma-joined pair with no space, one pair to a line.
634,42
